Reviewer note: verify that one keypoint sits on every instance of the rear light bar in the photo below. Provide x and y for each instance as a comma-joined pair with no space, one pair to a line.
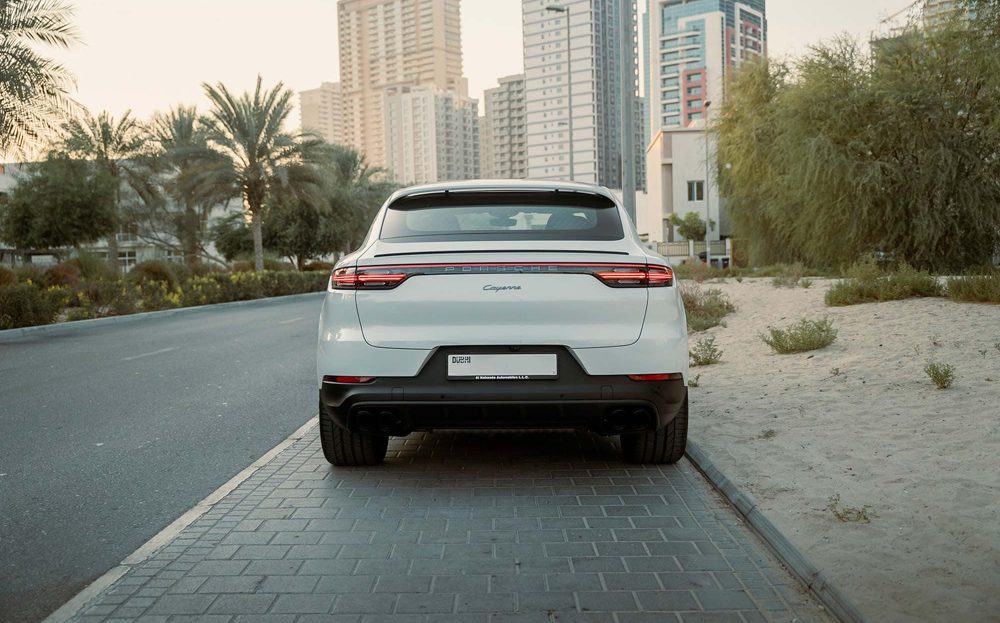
612,275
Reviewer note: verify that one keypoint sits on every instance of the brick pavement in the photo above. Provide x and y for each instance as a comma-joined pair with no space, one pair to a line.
463,528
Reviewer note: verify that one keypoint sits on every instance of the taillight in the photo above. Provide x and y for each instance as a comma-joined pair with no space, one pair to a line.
366,278
661,376
349,380
637,276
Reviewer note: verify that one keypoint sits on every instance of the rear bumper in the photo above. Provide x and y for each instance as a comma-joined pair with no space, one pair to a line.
605,404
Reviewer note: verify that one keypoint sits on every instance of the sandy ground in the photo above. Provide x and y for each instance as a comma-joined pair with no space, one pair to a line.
879,434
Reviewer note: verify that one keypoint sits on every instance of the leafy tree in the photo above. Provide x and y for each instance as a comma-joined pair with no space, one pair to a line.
855,153
251,156
62,202
34,90
119,148
691,227
232,237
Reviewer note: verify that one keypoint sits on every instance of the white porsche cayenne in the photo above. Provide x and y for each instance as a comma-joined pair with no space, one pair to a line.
502,304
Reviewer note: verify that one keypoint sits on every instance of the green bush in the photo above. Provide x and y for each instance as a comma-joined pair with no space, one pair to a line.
867,283
153,271
705,309
93,267
982,288
942,374
29,273
24,305
705,352
805,335
7,276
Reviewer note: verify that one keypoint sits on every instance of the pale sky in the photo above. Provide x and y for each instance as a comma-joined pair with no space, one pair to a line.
146,55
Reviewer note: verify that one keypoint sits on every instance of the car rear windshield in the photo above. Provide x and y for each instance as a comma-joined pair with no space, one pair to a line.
502,216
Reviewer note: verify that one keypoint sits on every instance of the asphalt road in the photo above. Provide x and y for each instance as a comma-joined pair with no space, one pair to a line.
108,434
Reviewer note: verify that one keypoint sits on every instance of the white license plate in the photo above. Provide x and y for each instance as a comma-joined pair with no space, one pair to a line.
502,367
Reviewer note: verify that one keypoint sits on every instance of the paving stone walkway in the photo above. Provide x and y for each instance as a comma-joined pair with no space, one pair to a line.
463,528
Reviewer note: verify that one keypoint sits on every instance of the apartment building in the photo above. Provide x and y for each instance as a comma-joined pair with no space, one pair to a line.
573,91
386,46
432,135
322,111
503,135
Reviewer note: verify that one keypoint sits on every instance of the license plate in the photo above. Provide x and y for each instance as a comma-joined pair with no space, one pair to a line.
502,367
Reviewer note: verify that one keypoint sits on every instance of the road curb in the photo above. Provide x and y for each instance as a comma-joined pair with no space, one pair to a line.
7,335
72,607
835,601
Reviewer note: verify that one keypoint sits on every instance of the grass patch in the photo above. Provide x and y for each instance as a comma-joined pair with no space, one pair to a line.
705,308
705,353
984,288
867,283
695,381
942,374
849,513
805,335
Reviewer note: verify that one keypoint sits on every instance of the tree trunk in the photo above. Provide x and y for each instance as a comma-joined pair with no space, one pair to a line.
189,236
258,239
113,252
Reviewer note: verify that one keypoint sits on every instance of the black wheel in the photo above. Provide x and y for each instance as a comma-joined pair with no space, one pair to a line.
665,445
344,448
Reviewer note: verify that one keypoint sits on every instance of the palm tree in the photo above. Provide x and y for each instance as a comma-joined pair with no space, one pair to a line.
253,155
355,192
34,90
119,147
181,142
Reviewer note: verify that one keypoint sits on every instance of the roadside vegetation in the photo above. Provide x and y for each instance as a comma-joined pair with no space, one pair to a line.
85,287
705,352
705,308
805,335
866,282
976,288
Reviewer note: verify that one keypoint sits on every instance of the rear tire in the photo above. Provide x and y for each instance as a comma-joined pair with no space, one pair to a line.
663,446
343,448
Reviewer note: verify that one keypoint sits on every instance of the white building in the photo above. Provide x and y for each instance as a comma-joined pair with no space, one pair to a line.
503,134
431,136
676,178
573,99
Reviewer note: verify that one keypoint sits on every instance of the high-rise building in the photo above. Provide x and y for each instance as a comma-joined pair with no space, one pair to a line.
323,112
431,135
503,137
486,167
693,46
386,45
573,100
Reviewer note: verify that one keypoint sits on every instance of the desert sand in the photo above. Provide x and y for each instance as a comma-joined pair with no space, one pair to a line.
793,431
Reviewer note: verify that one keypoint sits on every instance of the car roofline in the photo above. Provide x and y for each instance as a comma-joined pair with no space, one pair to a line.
500,186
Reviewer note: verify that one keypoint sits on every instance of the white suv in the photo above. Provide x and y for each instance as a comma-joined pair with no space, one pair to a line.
511,304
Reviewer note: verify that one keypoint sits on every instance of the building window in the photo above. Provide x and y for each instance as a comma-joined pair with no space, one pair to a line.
126,260
696,191
694,78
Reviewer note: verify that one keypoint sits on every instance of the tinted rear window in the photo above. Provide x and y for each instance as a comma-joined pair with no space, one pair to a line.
502,216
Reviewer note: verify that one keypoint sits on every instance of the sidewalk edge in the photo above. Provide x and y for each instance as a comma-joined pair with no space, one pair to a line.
835,601
56,328
72,607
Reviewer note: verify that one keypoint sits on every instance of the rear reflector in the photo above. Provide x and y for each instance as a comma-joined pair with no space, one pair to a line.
348,380
662,376
612,275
